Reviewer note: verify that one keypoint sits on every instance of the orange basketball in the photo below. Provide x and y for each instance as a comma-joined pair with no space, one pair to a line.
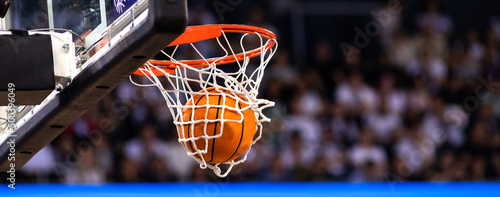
236,137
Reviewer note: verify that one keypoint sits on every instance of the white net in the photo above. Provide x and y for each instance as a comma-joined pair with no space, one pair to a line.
237,82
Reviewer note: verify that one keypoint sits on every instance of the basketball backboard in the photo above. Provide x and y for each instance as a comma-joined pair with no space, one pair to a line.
96,44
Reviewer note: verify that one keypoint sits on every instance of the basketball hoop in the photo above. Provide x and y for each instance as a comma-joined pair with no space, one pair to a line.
185,80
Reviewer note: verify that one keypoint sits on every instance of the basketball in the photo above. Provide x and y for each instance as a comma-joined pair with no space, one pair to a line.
236,137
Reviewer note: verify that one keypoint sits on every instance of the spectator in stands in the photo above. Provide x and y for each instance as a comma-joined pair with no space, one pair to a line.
368,159
355,95
144,148
87,170
435,19
383,122
415,150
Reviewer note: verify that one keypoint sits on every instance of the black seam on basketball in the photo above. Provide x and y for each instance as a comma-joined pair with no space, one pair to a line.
189,127
215,131
241,137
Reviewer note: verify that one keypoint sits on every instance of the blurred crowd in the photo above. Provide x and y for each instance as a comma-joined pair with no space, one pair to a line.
416,105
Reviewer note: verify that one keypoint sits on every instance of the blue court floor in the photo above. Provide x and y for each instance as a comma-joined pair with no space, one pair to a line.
222,189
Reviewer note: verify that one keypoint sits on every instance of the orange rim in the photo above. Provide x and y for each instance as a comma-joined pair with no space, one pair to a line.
204,32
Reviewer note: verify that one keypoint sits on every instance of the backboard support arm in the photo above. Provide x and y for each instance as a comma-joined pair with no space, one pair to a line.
167,19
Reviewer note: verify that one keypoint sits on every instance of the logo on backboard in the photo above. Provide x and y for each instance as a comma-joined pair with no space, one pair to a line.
122,5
